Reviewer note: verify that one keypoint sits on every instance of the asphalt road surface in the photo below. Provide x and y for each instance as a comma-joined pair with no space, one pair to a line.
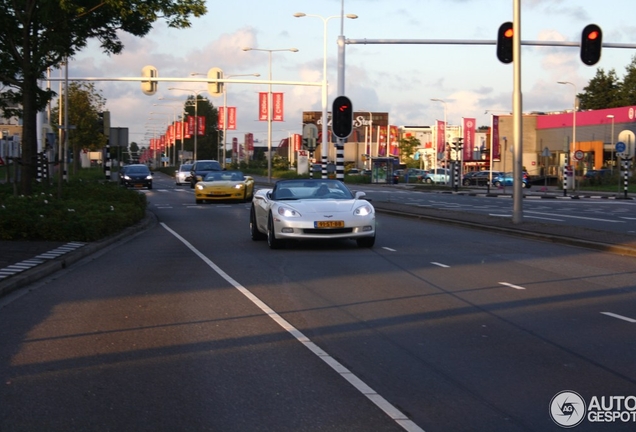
190,325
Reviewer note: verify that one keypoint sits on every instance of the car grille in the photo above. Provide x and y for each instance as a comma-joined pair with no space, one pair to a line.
216,195
328,231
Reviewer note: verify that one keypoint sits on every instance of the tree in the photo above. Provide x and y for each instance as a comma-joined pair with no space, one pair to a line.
85,106
601,92
36,35
207,144
627,93
408,146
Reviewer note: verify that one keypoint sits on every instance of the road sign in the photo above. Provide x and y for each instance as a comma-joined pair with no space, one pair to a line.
620,147
578,155
628,138
310,133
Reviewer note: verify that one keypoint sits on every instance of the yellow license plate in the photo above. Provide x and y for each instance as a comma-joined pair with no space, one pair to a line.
329,224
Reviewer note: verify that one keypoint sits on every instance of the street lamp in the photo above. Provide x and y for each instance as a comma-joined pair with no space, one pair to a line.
174,120
573,150
611,116
196,114
325,114
445,126
269,106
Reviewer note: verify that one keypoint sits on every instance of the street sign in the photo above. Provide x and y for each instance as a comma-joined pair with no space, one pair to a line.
620,147
628,138
578,155
310,134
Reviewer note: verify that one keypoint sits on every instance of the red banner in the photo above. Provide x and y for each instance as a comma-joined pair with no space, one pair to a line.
190,128
170,133
200,125
441,141
262,106
278,107
249,141
469,138
298,142
178,130
494,137
231,118
394,134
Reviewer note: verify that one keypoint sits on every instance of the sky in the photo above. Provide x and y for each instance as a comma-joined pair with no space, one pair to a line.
400,79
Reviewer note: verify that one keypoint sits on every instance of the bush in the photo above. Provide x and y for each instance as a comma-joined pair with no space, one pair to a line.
86,211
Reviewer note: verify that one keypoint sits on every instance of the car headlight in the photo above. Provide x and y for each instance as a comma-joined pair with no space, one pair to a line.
149,177
363,210
126,177
199,186
239,186
288,212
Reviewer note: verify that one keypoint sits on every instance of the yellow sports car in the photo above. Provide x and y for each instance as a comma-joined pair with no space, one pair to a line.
224,186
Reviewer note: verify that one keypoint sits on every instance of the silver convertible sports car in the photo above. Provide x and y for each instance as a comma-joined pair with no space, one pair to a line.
311,209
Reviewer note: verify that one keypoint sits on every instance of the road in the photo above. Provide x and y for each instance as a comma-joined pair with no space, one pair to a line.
191,325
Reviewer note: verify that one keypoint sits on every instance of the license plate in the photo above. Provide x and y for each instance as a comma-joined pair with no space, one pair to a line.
329,224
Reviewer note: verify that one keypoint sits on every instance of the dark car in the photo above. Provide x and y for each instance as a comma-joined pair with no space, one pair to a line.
201,168
137,175
478,178
597,175
507,179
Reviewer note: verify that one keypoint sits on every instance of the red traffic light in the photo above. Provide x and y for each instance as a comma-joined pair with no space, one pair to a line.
504,42
591,44
342,117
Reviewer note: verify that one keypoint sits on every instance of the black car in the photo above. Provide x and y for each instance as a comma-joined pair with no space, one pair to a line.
201,168
479,178
137,175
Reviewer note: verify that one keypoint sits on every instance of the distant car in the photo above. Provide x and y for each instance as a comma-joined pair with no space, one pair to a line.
311,209
478,178
353,172
597,174
223,186
414,174
437,175
507,179
137,175
182,175
201,168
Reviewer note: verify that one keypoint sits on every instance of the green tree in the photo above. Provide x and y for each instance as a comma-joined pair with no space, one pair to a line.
207,144
408,146
601,92
627,93
85,106
36,35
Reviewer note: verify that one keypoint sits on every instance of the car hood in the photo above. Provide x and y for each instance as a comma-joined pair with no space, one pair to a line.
323,206
221,184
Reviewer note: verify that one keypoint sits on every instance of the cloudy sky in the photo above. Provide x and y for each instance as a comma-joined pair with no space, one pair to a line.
398,78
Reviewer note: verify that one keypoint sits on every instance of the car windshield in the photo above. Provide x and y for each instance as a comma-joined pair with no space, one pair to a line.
311,189
224,176
142,169
185,167
208,166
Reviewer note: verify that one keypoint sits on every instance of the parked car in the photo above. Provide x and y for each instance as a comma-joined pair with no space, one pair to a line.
353,172
201,168
437,175
507,179
478,178
314,209
598,174
182,175
137,175
414,175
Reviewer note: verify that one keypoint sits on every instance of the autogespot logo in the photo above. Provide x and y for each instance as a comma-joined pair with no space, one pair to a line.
567,409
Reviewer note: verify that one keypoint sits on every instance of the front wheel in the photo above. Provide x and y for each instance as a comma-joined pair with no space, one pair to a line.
254,232
429,180
272,241
497,184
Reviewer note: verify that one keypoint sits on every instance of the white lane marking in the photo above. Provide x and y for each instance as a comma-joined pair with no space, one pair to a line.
499,215
389,249
620,317
575,217
628,218
544,218
360,385
440,264
517,287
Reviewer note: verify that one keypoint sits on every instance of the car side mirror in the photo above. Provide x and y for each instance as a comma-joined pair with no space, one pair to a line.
360,194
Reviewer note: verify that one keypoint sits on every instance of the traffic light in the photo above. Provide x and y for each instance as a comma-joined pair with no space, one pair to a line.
591,43
504,43
149,87
215,88
342,117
